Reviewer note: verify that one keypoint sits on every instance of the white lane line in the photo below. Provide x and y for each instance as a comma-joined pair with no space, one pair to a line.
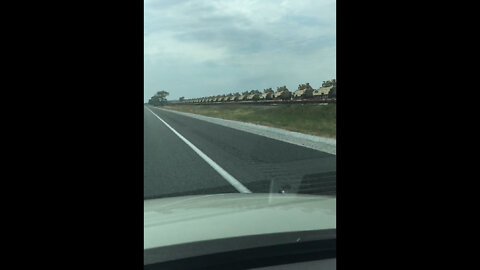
234,182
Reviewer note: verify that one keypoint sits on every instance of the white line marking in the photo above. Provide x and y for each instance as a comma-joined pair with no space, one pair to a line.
234,182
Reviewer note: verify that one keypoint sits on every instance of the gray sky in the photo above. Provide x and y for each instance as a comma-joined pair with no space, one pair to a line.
196,48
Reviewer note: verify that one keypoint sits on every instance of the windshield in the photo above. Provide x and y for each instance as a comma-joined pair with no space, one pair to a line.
240,99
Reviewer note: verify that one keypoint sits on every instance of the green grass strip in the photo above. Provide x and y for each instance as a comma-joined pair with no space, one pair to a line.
314,119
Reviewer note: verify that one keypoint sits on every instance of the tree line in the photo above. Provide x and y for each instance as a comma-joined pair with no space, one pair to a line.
159,99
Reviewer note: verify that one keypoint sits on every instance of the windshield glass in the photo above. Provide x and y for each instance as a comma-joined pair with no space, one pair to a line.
239,98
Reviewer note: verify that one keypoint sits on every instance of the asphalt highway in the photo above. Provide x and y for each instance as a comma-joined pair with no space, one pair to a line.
258,164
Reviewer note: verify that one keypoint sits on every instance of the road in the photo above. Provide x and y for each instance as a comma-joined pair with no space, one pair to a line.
259,164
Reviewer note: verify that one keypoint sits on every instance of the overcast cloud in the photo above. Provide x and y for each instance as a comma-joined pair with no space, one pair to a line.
196,48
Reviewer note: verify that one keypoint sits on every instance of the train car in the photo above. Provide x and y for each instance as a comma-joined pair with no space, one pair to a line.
253,97
266,96
303,94
283,95
322,92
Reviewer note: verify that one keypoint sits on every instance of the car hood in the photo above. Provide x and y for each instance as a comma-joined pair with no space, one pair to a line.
188,219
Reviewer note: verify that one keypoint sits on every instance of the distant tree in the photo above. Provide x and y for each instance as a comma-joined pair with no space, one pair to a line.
159,99
268,90
162,94
181,99
245,93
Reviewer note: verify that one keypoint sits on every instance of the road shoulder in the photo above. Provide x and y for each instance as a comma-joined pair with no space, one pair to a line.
327,145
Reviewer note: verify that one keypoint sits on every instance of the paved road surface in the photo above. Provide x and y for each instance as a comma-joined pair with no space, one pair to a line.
260,164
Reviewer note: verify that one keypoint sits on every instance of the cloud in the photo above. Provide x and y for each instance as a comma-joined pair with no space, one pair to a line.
196,48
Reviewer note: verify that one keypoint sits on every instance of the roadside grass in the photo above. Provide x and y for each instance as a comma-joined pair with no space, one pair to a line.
314,119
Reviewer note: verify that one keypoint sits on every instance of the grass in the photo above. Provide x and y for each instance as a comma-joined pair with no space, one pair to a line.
314,119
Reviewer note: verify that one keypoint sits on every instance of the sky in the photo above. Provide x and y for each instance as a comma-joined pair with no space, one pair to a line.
197,48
